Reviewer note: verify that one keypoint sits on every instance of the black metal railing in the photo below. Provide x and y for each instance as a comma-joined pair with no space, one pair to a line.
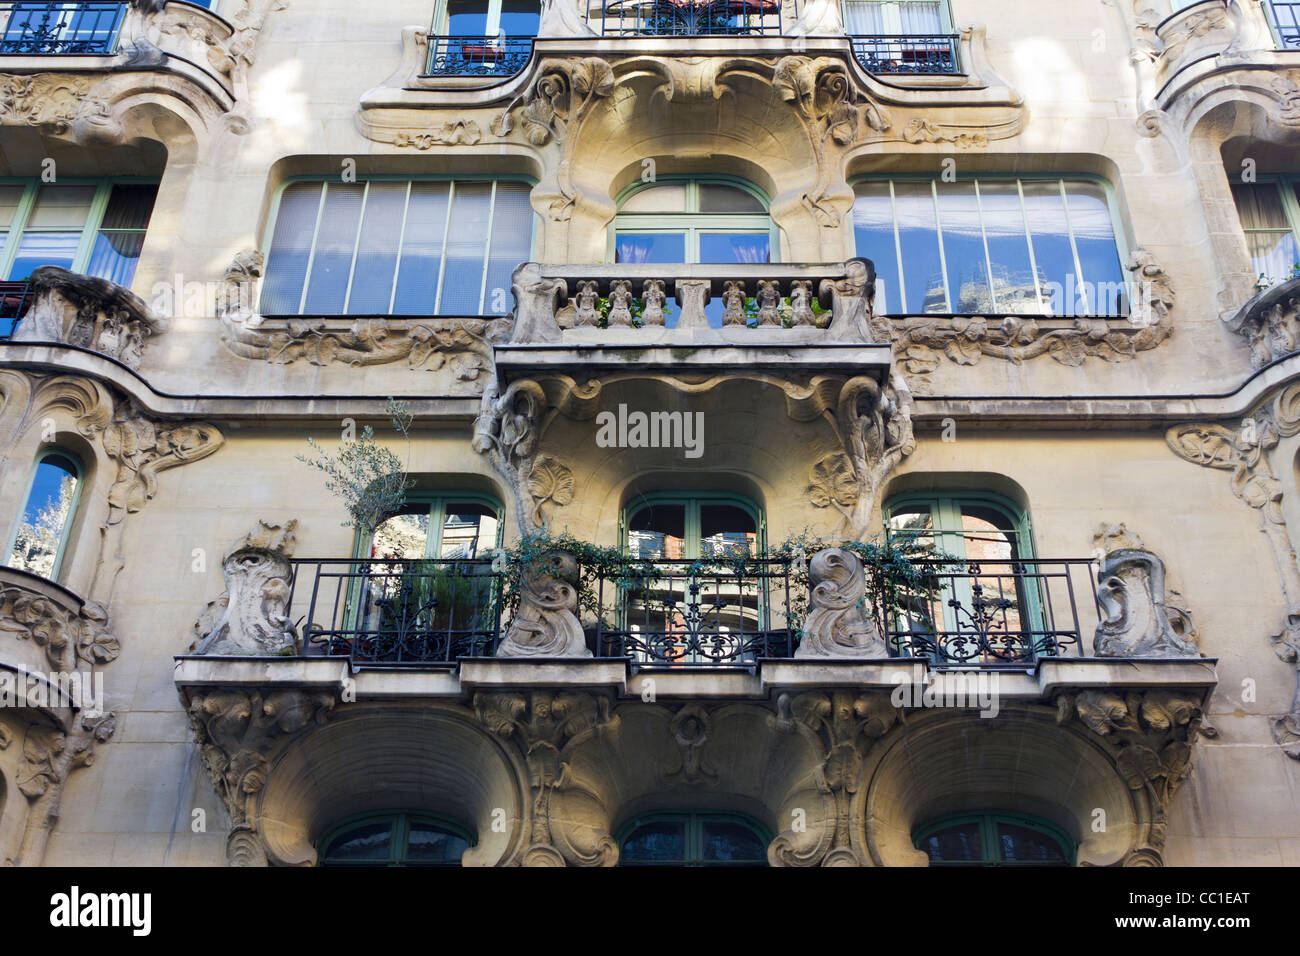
15,297
689,613
478,56
691,18
59,29
993,612
1286,21
396,611
907,54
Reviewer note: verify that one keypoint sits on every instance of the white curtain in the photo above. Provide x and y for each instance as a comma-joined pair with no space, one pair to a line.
921,18
864,19
893,18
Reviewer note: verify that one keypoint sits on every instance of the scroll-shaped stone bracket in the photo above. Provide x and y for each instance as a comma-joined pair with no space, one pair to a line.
1270,323
88,312
837,624
1138,621
546,623
251,617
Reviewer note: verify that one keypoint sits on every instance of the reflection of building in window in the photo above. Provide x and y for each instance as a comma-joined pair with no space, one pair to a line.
403,839
47,516
694,839
994,839
460,529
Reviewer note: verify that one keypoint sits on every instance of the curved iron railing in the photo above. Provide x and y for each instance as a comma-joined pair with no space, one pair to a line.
478,56
1286,21
907,54
691,18
60,29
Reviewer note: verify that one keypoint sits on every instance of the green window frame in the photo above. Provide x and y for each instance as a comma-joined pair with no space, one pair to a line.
694,826
1286,30
78,473
1286,190
359,248
19,224
690,222
986,824
398,841
692,502
436,504
1002,214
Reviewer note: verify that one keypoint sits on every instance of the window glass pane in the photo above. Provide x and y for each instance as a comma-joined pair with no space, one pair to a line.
129,206
381,231
873,234
726,530
512,233
10,196
519,18
468,530
864,18
1004,230
61,207
1094,238
716,197
1047,226
963,246
955,844
402,536
115,255
1272,254
366,842
921,17
335,241
426,223
650,247
463,283
1259,206
1269,239
658,531
37,249
45,516
734,247
1018,844
919,243
466,18
661,842
912,523
286,264
727,842
429,843
670,197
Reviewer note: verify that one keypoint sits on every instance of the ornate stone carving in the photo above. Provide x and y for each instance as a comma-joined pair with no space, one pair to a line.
921,130
546,623
252,619
507,431
235,298
837,624
1132,596
874,428
1151,736
844,724
43,100
67,633
568,821
549,482
459,132
690,728
1270,322
50,754
88,312
236,731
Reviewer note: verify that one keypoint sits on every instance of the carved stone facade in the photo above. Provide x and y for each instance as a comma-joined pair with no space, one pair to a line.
1142,618
249,619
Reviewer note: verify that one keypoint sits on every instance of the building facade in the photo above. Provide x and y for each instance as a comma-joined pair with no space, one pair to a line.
833,433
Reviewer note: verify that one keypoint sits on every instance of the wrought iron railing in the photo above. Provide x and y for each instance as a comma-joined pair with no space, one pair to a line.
993,612
691,18
1286,22
59,29
692,613
387,612
14,299
478,56
907,54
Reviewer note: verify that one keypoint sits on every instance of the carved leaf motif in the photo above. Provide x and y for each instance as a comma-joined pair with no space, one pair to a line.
832,482
1211,446
1068,350
592,76
963,351
794,82
1137,764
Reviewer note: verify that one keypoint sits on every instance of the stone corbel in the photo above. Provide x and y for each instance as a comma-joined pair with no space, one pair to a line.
236,731
1150,737
837,624
88,312
508,431
568,820
1270,323
1141,618
250,618
546,623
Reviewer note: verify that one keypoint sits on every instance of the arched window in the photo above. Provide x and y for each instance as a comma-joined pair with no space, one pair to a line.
669,527
456,525
41,533
996,245
692,220
985,606
1269,210
693,839
395,839
994,839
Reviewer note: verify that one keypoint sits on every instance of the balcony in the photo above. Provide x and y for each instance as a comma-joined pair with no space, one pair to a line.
690,18
917,55
14,300
1285,19
60,29
478,56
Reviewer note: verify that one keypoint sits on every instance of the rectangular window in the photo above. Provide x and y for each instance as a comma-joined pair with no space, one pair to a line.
387,247
1003,246
1284,16
95,228
1270,217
